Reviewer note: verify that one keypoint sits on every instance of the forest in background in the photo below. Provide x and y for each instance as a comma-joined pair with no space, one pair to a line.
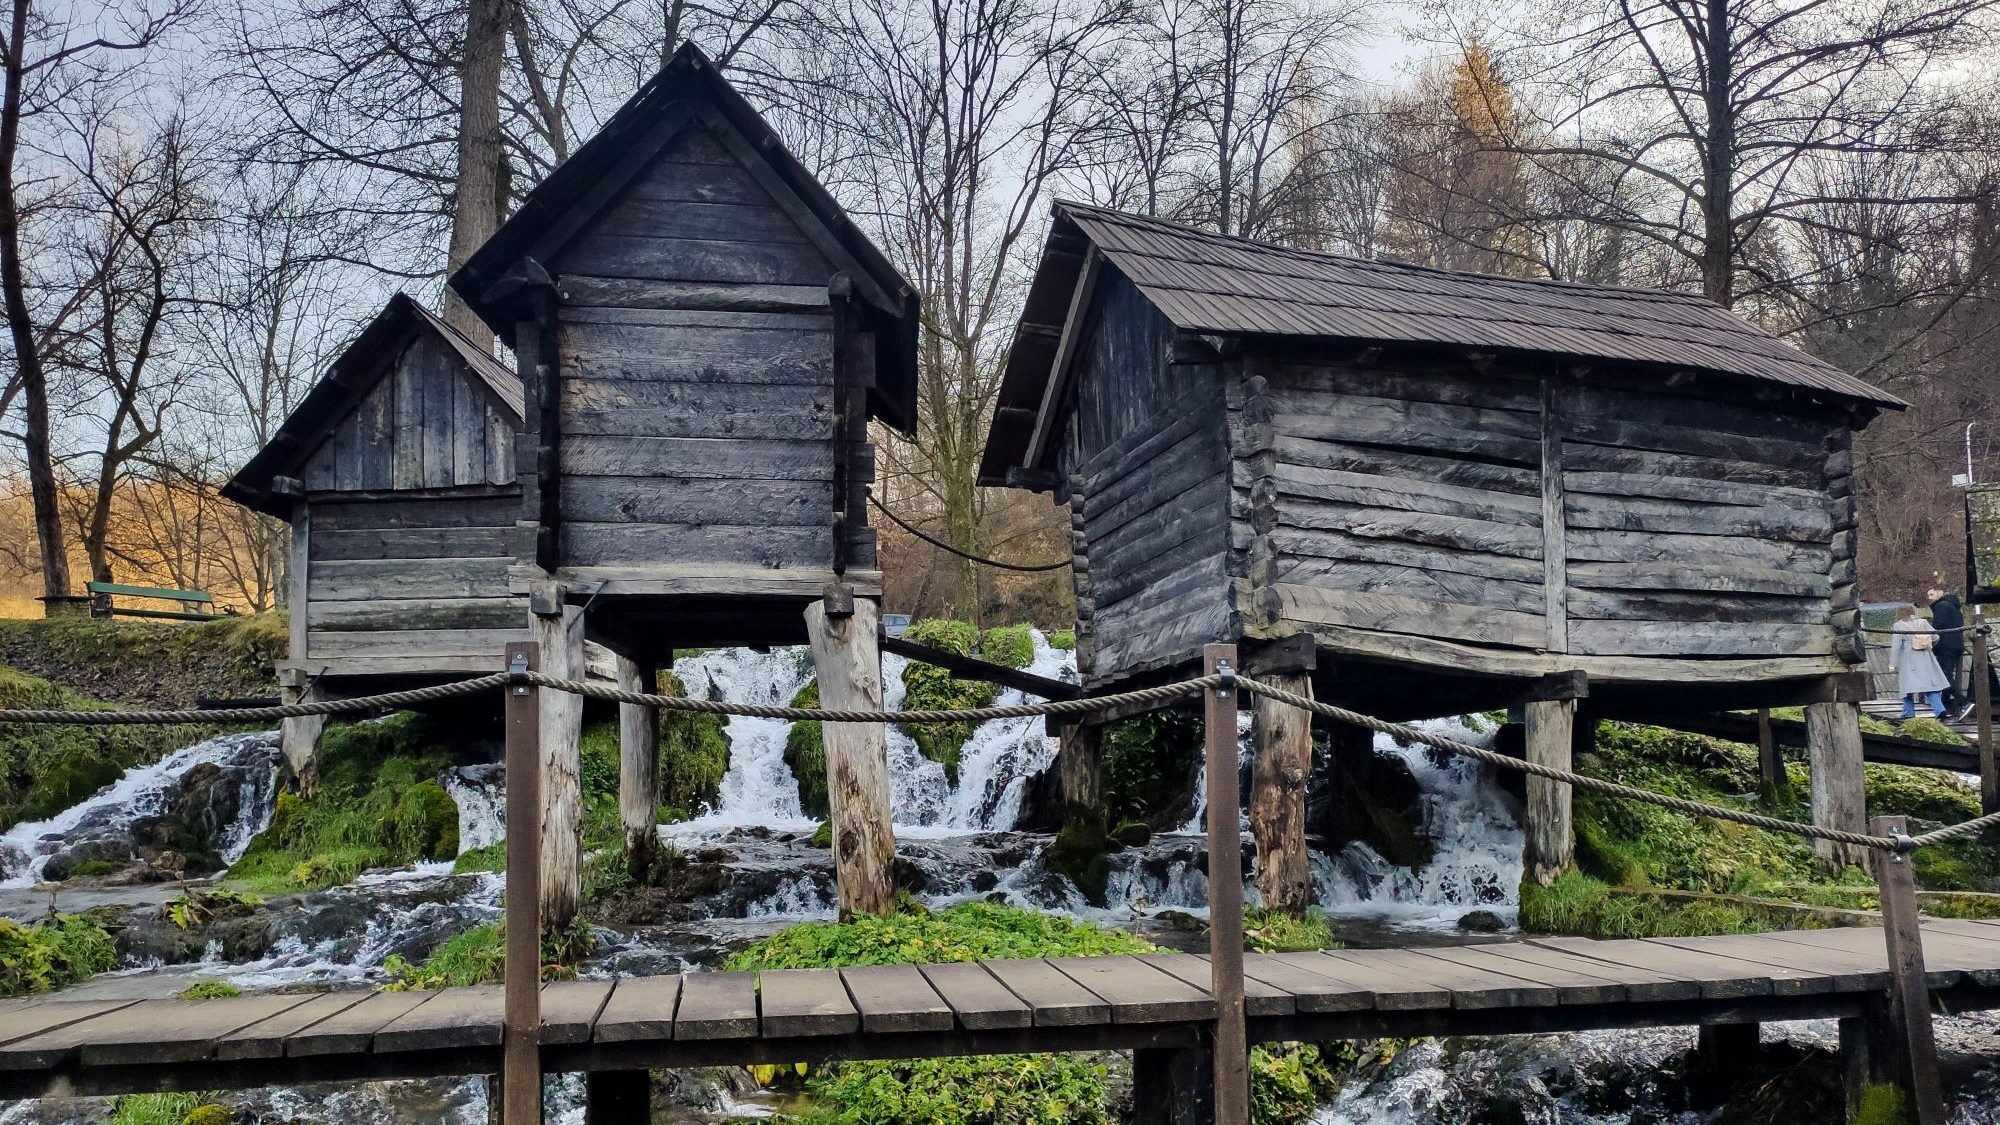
201,202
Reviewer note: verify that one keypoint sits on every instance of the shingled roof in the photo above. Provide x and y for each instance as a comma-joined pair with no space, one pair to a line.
1215,284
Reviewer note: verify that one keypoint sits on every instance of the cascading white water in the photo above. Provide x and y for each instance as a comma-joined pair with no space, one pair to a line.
481,796
758,789
145,791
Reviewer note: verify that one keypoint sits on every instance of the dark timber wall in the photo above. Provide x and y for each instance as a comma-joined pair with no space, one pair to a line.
425,424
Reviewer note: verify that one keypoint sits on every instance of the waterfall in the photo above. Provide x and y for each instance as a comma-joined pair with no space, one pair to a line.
480,793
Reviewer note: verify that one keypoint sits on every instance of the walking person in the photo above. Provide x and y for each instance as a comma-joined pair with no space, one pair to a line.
1948,618
1916,667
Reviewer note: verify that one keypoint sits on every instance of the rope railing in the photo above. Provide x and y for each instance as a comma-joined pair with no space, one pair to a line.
1061,708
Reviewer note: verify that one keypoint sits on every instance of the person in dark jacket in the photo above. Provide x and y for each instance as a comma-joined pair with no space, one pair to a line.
1948,618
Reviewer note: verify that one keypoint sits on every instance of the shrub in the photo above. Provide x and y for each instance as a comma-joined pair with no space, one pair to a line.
1012,646
805,755
46,769
198,907
1064,639
53,953
209,990
1149,764
165,1109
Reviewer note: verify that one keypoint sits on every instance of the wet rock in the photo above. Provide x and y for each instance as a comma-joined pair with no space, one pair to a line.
1481,922
1370,798
983,881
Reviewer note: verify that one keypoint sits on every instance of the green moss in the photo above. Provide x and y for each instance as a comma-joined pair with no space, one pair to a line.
209,1114
1268,932
209,990
1881,1104
424,822
477,956
927,687
1081,852
694,754
1064,639
492,857
53,953
805,755
822,836
1928,729
94,868
1011,646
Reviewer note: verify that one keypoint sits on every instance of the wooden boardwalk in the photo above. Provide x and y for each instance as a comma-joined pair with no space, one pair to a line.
54,1047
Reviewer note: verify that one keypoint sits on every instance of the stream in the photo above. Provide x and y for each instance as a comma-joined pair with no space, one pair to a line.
961,843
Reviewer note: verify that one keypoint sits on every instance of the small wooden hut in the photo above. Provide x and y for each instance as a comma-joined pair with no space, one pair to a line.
703,336
396,472
1424,492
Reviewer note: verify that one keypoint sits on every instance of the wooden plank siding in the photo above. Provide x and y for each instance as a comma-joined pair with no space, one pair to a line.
424,425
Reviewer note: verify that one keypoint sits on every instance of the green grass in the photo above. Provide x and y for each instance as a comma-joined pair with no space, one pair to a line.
479,956
1011,646
1579,904
1064,639
167,1109
53,953
209,990
1267,932
491,858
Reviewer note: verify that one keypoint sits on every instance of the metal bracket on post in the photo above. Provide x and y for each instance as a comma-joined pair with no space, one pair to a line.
517,673
1227,686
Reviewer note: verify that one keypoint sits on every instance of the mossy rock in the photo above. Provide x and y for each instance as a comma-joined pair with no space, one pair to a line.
209,990
424,823
927,687
1011,646
822,836
694,754
209,1114
805,755
1081,852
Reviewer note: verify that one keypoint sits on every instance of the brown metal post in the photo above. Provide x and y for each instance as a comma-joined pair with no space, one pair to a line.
521,1058
1909,995
1982,709
1225,891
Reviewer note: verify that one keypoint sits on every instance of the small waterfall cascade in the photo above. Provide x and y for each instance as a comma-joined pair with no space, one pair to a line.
107,824
480,792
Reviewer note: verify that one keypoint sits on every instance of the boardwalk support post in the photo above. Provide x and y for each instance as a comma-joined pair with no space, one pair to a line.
1282,737
1225,888
843,631
1982,708
521,1061
617,1097
1079,771
1833,751
558,627
1173,1086
639,767
1909,994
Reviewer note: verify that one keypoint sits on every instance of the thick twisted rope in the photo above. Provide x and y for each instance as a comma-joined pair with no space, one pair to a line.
1165,693
388,701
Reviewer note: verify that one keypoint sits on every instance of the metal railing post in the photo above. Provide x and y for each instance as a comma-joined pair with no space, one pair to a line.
521,1051
1909,995
1225,889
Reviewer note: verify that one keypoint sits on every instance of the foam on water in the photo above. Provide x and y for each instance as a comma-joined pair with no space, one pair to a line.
481,796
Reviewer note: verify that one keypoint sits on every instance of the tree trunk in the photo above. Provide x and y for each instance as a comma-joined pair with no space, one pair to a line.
638,768
1718,249
561,638
1282,735
857,757
476,200
35,445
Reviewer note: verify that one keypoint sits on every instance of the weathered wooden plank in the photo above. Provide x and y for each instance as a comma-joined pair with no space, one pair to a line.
1145,588
680,580
804,1002
714,1006
1572,986
1665,436
1755,422
628,254
697,354
265,1039
1500,435
1141,444
1409,581
1471,988
894,998
351,1031
377,580
1640,985
1259,998
469,1016
677,181
491,506
1719,978
1698,579
679,408
976,998
1595,545
637,293
1198,559
609,544
1396,614
1136,991
1406,495
1303,990
374,428
468,432
1389,989
659,218
437,368
1453,532
1790,971
500,434
172,1031
332,645
1590,457
570,1009
406,429
1293,449
643,500
418,615
1663,487
1159,629
1145,491
644,1008
1056,998
413,543
1303,387
1698,638
1686,606
1303,544
706,458
24,1021
1630,513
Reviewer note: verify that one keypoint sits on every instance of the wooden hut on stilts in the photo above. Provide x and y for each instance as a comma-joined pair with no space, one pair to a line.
1421,493
702,336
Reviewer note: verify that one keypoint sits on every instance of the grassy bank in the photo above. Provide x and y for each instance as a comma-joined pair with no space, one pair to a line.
46,769
148,664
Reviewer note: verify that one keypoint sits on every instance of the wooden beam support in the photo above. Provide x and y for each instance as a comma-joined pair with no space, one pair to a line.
298,738
560,635
1079,771
1173,1086
1225,891
639,766
1550,845
973,668
1909,994
857,756
617,1097
1296,653
521,1068
1833,752
1982,709
1555,551
1775,782
1282,735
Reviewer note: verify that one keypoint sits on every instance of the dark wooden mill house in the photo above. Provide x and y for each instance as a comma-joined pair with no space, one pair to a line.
396,472
1418,493
703,337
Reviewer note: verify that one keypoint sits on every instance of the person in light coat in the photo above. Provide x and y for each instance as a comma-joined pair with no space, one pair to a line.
1916,667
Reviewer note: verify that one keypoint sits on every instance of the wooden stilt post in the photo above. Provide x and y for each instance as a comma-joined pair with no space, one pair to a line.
1282,736
844,647
638,767
1225,891
1777,784
558,628
617,1097
1079,771
1909,995
298,738
1173,1086
521,1058
1982,710
1550,847
1833,750
1721,1050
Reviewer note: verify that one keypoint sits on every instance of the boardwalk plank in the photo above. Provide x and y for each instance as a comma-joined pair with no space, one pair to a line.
42,1035
1056,999
1471,988
643,1008
1259,998
980,1002
805,1002
1136,991
570,1008
1389,991
265,1039
1719,978
1974,956
713,1006
1640,984
353,1031
1858,949
1571,985
896,998
1309,991
170,1031
1783,964
470,1016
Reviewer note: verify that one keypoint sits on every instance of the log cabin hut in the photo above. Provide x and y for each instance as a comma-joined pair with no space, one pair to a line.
703,337
396,472
1424,493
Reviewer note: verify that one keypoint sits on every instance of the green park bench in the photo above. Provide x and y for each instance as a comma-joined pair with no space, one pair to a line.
105,591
